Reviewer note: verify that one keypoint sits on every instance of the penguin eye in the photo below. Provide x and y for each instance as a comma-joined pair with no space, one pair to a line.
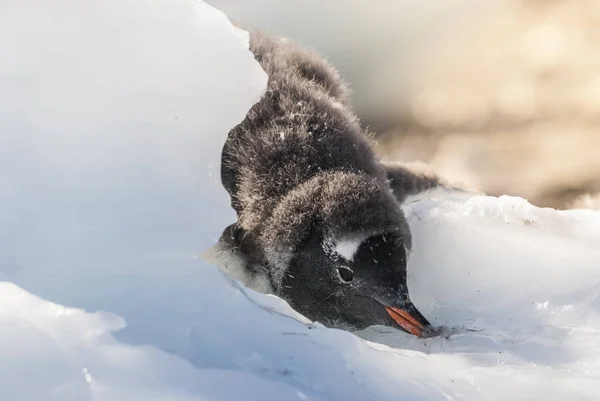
346,274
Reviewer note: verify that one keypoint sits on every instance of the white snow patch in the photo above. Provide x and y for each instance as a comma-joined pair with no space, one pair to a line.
51,352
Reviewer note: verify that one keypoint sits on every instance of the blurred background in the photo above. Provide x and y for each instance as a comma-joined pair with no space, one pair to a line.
501,96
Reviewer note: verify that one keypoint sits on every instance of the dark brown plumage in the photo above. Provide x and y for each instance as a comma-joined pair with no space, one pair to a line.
306,186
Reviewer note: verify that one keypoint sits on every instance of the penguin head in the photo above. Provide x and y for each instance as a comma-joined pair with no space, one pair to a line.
335,248
352,282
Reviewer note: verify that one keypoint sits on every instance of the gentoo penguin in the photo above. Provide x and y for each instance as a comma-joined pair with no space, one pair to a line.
317,221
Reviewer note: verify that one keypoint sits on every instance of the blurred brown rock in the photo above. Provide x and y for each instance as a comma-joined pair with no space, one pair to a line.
508,105
587,201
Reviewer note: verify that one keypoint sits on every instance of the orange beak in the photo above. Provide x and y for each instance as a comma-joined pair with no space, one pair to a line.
405,320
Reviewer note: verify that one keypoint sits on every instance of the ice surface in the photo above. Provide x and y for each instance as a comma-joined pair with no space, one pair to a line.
112,117
518,288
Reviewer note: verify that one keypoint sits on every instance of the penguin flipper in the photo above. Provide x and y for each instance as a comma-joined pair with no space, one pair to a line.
412,181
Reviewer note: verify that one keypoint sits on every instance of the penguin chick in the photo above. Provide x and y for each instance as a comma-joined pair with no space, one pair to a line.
316,216
410,181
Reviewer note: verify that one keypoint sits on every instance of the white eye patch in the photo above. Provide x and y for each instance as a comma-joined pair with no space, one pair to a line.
344,248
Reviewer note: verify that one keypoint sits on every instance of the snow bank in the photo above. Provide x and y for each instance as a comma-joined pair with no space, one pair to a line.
518,289
112,116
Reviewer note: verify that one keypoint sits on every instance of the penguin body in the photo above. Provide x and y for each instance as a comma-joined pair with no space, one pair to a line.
317,221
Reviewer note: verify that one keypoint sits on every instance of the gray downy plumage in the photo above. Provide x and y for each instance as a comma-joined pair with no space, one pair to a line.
317,221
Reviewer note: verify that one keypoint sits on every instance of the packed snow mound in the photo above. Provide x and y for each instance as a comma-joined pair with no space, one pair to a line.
113,115
65,354
515,285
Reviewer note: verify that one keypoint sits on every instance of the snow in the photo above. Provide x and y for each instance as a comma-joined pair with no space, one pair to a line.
112,116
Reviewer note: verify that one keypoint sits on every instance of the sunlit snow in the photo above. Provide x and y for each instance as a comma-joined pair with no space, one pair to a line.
112,118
